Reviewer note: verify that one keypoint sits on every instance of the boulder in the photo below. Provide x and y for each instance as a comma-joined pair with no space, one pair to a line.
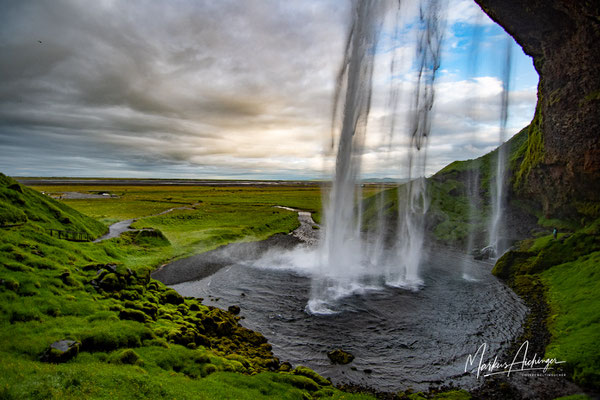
339,356
235,310
61,351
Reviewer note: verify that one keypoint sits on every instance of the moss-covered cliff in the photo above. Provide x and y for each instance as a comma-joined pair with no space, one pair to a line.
561,170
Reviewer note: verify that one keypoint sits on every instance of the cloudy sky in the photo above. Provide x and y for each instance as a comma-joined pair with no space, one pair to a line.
228,88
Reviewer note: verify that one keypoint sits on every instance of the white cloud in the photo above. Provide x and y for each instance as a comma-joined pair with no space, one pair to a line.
207,89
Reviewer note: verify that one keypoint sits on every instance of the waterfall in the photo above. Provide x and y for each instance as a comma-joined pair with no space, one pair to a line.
473,176
413,203
351,260
341,255
497,190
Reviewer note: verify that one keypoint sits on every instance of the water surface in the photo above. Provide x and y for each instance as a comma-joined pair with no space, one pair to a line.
400,338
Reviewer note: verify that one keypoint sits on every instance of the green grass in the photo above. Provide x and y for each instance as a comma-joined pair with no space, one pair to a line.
136,337
18,205
568,269
211,216
139,338
101,380
573,289
143,201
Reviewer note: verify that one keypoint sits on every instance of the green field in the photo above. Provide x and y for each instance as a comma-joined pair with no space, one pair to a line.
134,337
204,217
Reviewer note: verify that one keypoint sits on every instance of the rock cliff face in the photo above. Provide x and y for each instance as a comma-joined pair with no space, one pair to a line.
561,168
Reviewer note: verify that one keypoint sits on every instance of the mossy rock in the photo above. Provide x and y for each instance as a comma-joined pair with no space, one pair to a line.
309,373
453,395
208,369
511,263
170,296
133,315
240,359
183,309
339,356
285,367
61,351
110,282
298,381
235,310
127,356
149,238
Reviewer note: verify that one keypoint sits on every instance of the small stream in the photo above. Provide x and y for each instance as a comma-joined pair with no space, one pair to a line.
116,229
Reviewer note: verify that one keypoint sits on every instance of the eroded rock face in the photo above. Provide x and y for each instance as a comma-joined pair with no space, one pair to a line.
563,37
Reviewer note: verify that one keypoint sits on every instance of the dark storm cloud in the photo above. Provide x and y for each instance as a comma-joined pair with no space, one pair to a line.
163,82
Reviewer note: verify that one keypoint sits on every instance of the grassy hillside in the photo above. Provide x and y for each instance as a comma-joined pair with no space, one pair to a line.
450,216
20,205
129,336
565,271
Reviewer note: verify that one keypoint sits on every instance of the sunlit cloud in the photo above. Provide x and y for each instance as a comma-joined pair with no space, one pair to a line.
238,89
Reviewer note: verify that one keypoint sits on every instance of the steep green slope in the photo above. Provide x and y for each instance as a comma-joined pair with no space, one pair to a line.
451,214
565,272
20,205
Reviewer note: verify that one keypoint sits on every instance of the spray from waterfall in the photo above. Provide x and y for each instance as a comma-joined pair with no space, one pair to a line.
413,200
340,254
497,192
473,175
351,260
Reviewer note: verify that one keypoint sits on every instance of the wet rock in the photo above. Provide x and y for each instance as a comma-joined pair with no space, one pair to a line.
61,351
485,254
235,310
339,356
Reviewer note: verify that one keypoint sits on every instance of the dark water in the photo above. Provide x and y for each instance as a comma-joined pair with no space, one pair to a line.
400,338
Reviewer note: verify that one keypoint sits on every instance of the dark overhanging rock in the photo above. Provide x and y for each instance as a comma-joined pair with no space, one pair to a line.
562,36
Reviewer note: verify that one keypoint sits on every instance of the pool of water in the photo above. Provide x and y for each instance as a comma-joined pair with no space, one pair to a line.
400,338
